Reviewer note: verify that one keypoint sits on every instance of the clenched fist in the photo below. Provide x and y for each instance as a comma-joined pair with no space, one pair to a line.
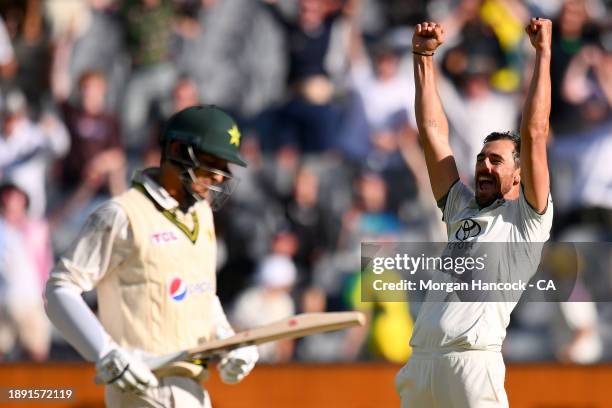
540,33
427,37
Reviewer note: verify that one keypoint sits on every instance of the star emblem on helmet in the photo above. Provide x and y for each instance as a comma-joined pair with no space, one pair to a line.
234,136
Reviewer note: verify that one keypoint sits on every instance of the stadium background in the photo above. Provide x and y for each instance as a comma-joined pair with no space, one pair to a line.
328,130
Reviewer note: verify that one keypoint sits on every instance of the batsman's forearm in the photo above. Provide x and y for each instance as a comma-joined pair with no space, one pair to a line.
536,113
78,325
430,117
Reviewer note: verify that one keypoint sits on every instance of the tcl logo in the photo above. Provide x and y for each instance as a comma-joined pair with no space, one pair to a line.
163,237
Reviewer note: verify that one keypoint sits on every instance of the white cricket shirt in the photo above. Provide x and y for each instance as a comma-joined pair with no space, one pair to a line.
442,326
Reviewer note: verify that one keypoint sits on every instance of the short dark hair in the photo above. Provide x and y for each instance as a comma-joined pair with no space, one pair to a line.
509,135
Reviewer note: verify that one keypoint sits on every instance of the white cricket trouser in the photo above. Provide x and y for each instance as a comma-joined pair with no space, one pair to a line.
172,392
456,379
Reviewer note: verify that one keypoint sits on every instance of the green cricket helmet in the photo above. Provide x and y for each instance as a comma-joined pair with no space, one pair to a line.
208,130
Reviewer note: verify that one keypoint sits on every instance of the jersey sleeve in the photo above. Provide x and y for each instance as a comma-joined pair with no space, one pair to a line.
102,244
75,321
457,198
534,227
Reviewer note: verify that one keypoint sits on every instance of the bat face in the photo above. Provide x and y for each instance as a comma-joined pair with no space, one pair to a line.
296,326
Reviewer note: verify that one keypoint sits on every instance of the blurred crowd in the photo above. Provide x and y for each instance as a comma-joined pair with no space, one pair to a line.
324,93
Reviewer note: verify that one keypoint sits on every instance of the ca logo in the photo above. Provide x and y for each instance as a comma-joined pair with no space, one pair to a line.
468,229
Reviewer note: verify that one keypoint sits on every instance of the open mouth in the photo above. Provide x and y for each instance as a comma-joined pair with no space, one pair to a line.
485,183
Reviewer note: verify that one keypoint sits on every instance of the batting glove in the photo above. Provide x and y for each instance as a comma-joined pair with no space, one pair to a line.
237,364
124,371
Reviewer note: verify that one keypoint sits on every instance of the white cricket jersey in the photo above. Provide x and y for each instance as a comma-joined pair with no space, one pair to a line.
479,325
108,245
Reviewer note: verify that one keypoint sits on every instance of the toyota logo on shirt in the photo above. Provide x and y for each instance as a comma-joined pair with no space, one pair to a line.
468,229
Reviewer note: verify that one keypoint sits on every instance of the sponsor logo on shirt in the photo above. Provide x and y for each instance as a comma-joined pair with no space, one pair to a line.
163,237
179,289
468,229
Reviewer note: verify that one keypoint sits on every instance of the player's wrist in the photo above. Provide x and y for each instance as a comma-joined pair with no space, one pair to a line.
543,52
108,346
424,53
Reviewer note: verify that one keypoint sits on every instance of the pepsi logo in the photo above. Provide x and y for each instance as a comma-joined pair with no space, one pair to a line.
178,289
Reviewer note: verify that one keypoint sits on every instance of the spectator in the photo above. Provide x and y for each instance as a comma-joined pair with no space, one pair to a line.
314,228
267,301
29,35
572,31
369,219
387,96
96,159
233,53
577,337
308,120
148,26
390,323
25,260
580,153
184,95
7,55
95,166
337,346
87,37
28,148
386,93
476,108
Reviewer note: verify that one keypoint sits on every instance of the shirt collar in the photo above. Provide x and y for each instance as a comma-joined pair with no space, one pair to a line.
497,203
146,178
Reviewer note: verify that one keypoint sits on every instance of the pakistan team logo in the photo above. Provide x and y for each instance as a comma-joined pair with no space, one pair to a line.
468,229
234,134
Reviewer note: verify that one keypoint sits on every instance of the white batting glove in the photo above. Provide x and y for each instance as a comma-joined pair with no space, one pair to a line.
124,371
237,364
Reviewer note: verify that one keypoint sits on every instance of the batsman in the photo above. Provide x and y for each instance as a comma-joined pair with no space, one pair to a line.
457,360
151,253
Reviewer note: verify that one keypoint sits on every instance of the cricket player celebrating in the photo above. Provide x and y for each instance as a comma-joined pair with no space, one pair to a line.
151,255
457,359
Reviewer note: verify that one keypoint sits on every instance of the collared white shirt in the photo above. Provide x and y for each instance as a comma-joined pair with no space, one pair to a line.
454,325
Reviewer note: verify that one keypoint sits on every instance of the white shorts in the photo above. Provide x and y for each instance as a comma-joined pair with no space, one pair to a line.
457,379
172,392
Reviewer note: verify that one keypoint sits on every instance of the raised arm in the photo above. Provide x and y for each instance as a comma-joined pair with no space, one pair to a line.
535,120
430,117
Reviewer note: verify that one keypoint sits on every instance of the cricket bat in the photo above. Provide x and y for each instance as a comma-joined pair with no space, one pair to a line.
296,326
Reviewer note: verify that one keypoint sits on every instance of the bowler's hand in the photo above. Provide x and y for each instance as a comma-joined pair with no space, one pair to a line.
427,37
540,33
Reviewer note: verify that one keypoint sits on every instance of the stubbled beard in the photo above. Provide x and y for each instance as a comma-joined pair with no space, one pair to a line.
482,203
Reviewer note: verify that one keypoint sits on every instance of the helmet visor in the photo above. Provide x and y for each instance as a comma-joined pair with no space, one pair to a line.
205,182
207,187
